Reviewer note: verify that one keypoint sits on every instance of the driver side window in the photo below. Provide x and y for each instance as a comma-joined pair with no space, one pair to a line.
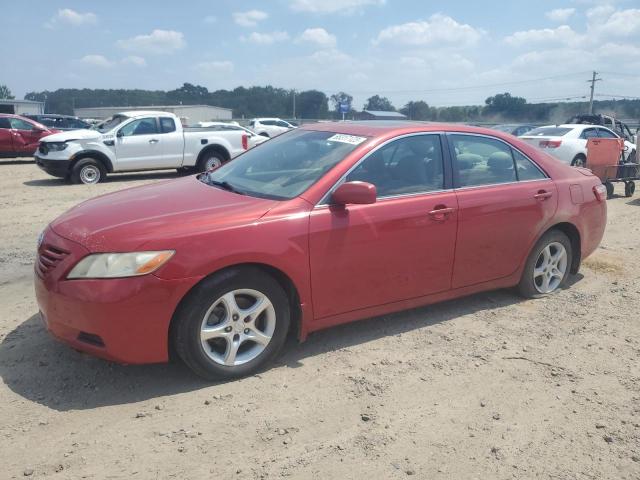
142,126
408,165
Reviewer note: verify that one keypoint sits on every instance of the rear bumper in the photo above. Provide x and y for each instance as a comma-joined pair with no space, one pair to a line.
125,320
55,168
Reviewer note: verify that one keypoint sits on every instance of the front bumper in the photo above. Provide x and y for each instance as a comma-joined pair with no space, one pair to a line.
55,168
124,320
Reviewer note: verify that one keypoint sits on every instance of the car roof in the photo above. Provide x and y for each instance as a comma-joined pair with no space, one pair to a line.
145,113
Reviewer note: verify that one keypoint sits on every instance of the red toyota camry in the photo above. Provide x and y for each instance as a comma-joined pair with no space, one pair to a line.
323,225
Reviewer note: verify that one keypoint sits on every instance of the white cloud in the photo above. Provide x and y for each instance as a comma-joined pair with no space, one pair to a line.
73,18
344,7
266,38
563,35
135,61
157,42
318,36
560,14
223,66
621,23
96,61
249,18
438,29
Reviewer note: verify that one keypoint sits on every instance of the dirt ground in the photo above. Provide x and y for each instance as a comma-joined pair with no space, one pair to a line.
487,387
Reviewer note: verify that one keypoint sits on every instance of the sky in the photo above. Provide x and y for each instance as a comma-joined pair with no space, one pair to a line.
445,53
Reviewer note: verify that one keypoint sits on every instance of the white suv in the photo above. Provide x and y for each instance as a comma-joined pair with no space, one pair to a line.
270,127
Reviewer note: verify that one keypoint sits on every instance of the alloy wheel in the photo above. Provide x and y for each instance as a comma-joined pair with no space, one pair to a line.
550,268
237,327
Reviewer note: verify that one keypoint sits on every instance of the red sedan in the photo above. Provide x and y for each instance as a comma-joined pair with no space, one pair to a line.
326,224
20,136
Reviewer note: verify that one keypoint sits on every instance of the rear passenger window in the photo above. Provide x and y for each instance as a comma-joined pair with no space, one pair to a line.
167,125
527,170
405,166
482,161
4,123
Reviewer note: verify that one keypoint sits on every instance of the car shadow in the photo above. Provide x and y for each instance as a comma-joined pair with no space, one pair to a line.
111,178
20,161
42,370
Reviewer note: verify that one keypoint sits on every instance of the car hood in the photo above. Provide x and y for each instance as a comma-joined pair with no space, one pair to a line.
154,215
68,135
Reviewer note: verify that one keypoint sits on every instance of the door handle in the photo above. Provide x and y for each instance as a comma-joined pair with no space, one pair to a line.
154,140
441,214
542,195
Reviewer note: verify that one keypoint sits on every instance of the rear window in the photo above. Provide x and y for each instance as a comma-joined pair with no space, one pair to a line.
548,132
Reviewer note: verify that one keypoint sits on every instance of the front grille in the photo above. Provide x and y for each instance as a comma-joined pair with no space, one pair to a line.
43,149
48,257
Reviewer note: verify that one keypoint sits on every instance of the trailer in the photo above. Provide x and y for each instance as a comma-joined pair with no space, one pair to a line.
605,160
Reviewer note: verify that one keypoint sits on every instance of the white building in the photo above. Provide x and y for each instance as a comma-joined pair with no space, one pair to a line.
191,113
21,107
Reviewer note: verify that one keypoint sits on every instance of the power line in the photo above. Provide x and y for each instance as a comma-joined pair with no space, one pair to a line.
617,96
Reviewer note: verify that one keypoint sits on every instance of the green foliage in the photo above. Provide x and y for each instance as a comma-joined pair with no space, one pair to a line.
312,104
505,104
419,111
338,98
379,103
5,93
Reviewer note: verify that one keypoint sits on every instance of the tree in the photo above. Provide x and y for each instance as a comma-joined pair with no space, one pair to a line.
5,93
418,110
379,103
506,105
188,94
312,104
339,98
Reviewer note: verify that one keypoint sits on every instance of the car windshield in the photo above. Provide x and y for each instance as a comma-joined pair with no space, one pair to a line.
285,166
110,123
548,132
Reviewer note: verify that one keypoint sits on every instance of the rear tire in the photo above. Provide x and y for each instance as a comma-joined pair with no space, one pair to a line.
579,161
213,328
548,266
210,160
88,171
629,188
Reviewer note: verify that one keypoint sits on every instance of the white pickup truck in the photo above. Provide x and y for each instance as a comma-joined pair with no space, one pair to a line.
134,141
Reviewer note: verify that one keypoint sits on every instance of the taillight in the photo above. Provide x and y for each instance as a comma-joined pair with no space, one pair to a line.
245,141
600,191
550,143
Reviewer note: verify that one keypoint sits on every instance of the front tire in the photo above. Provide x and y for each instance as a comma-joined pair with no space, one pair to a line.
548,266
88,171
232,324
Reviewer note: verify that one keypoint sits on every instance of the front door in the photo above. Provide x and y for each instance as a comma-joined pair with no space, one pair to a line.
398,248
26,136
504,201
138,145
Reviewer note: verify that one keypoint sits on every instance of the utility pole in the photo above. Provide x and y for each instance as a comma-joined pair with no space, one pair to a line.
294,104
593,87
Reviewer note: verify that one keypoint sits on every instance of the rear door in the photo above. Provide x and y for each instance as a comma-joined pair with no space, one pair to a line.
138,145
6,138
400,247
504,201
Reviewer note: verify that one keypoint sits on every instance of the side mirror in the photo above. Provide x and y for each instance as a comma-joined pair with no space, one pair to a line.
358,193
39,130
120,134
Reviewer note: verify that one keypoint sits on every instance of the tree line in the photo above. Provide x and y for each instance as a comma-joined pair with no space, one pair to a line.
314,104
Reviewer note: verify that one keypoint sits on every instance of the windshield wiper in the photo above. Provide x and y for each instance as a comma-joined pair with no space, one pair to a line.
225,186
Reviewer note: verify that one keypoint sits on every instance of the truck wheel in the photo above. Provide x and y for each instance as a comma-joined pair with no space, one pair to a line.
231,324
579,161
609,187
210,160
88,171
629,189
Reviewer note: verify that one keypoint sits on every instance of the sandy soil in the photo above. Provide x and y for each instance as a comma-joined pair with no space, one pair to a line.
486,387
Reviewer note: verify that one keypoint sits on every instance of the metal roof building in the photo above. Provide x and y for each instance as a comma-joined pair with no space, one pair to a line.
381,115
21,107
192,113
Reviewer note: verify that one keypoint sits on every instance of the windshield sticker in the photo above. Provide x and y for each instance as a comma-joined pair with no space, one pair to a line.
353,140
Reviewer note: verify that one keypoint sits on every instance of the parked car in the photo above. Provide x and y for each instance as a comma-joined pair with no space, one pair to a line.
324,225
619,128
254,138
133,141
60,122
568,142
516,129
270,127
19,136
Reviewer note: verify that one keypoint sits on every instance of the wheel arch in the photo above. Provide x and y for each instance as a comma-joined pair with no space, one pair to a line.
287,284
226,156
95,154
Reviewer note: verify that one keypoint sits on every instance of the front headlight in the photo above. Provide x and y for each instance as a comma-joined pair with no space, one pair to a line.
56,146
119,265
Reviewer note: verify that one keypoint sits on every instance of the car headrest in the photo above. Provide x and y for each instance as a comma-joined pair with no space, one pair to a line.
500,161
466,161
